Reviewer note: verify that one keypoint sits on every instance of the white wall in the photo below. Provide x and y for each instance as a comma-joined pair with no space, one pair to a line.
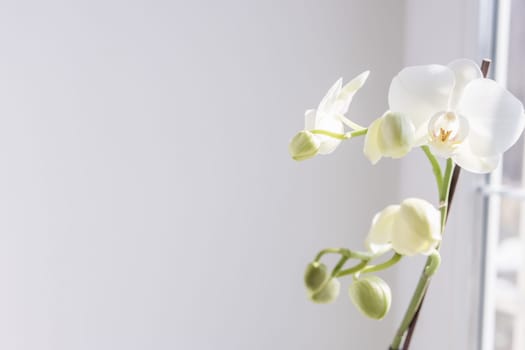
147,200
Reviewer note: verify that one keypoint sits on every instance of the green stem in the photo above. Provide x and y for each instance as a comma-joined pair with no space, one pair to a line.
338,136
339,265
435,167
355,133
329,133
412,307
430,267
445,193
352,270
363,268
390,262
349,254
341,251
433,260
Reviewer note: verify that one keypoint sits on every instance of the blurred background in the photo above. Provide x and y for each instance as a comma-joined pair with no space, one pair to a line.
148,200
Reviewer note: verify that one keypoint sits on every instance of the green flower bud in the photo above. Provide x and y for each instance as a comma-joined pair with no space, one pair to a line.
372,296
328,292
392,135
304,145
397,135
417,228
315,275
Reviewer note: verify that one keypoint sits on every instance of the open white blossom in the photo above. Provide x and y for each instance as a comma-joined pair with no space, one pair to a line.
329,115
458,113
411,228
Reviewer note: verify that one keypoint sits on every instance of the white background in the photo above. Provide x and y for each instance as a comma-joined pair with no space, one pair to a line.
147,198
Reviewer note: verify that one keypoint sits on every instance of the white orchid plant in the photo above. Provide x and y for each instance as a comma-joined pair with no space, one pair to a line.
453,112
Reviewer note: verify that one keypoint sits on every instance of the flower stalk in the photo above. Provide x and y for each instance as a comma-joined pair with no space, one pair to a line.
433,259
361,267
338,136
446,188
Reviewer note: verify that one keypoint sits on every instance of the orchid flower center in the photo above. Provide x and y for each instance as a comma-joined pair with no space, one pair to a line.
447,130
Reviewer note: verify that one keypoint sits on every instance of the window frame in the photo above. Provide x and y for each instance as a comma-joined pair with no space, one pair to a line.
493,192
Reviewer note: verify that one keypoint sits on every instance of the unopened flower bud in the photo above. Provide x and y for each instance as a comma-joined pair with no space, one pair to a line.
392,135
304,145
413,227
315,275
328,292
397,135
372,296
417,228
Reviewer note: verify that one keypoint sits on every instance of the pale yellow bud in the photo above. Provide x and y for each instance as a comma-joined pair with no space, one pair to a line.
315,275
328,292
304,145
413,227
417,228
396,135
392,135
372,296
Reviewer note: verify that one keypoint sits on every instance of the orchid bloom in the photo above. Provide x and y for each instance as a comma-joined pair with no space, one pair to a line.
458,113
411,228
328,118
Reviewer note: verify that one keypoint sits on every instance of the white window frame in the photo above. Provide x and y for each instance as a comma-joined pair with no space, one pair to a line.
493,302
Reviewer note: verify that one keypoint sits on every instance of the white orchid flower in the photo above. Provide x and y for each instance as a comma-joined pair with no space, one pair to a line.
411,228
329,118
458,113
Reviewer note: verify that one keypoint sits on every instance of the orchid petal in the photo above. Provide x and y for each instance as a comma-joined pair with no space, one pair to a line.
379,236
474,163
372,147
329,144
348,91
326,104
465,71
421,136
495,116
309,119
419,92
349,123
